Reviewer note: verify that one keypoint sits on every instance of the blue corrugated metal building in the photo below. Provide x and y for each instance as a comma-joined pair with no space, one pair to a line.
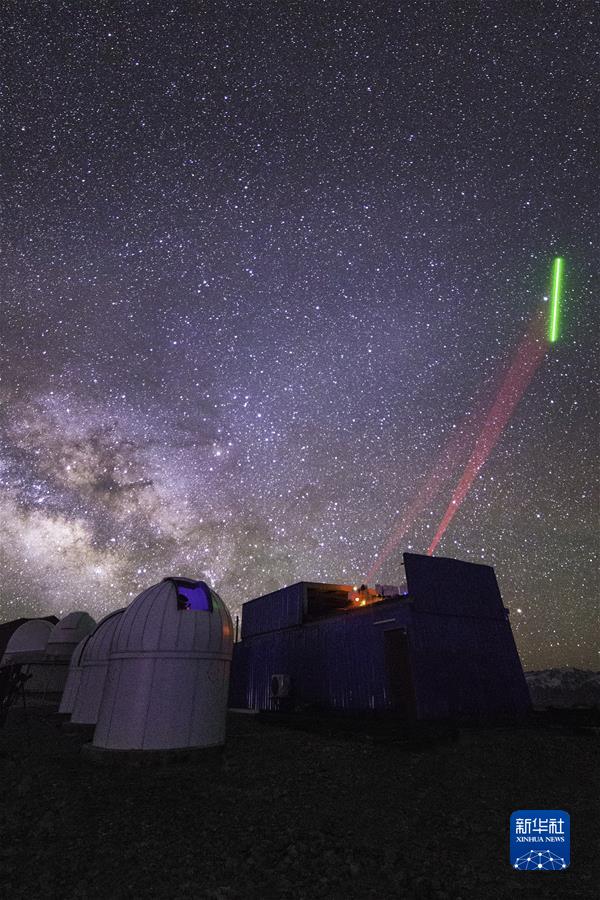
444,649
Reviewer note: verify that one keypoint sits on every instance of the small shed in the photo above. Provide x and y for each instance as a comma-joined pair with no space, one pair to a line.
442,649
93,667
168,672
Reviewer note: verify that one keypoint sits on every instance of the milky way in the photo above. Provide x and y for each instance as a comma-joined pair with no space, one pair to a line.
260,261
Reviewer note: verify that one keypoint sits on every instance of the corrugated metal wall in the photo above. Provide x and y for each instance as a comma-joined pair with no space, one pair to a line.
462,665
441,585
336,662
280,609
466,667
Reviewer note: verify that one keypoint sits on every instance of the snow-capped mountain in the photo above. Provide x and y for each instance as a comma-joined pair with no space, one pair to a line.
564,687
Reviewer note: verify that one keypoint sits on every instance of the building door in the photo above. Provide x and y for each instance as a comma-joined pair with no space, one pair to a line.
399,673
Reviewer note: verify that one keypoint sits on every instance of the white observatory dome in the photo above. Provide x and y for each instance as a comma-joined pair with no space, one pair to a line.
168,673
94,664
28,641
73,678
67,633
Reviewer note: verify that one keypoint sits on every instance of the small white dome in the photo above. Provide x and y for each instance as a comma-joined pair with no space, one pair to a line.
168,673
67,633
99,642
94,663
153,622
29,638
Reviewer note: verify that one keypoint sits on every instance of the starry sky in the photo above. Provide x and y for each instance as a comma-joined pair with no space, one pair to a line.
259,261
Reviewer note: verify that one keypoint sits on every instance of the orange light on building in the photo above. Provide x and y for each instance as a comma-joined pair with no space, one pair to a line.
363,595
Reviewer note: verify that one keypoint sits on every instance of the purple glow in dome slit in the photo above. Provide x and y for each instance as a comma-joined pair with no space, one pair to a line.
193,595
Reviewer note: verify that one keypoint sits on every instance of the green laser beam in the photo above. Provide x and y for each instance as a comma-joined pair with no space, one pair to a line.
557,270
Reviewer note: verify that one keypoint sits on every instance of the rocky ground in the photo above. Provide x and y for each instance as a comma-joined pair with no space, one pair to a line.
294,814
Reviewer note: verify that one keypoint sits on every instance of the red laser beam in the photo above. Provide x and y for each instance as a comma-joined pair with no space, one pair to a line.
450,456
525,363
457,447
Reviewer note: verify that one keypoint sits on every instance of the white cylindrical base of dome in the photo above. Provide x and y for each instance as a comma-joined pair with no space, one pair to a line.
56,673
89,695
163,701
70,692
61,652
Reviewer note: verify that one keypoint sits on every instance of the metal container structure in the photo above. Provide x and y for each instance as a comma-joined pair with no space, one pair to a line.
93,668
281,609
443,650
168,673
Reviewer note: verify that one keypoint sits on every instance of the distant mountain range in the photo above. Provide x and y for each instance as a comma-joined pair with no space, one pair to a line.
564,687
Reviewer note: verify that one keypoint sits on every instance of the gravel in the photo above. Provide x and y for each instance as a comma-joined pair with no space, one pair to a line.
293,814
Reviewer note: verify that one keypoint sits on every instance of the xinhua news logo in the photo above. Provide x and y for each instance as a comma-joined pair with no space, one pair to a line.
540,840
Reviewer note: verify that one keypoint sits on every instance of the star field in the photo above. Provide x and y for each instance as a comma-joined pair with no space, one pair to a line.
259,261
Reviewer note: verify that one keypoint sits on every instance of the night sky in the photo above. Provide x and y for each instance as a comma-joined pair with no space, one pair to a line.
259,261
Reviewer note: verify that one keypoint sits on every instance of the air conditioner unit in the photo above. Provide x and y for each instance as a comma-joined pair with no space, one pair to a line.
280,685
